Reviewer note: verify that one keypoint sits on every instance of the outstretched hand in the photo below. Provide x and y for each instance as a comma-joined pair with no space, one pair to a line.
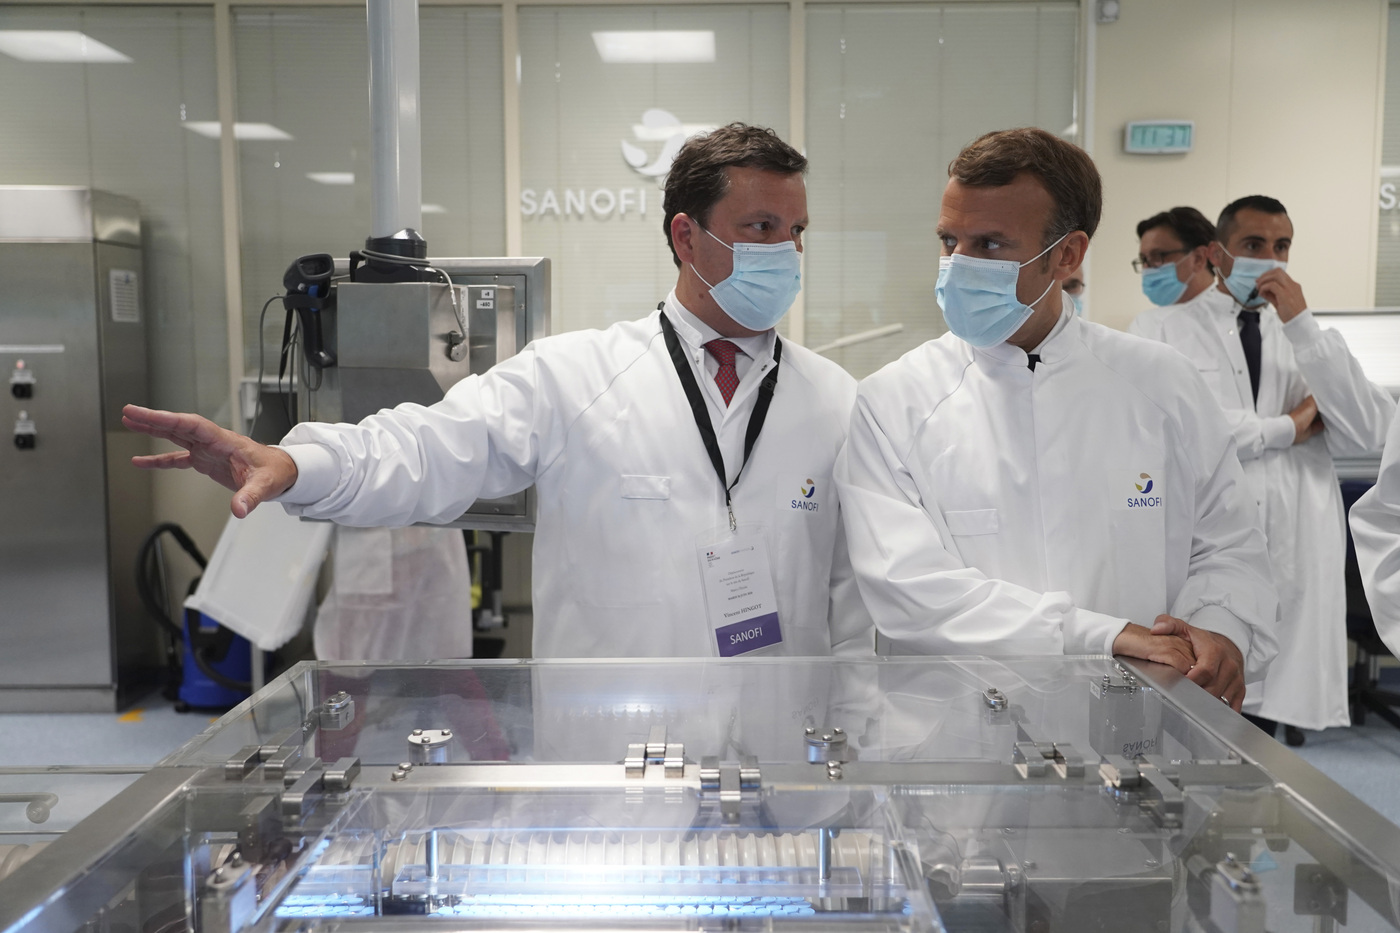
255,472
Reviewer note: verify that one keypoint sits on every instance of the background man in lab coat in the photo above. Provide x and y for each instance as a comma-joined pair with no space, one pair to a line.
1375,527
603,423
1294,397
1173,259
1034,483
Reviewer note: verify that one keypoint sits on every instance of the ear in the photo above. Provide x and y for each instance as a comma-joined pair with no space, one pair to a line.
1076,245
1216,254
683,231
1200,258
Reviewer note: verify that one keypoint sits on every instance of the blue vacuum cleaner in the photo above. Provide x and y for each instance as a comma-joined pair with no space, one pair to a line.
213,668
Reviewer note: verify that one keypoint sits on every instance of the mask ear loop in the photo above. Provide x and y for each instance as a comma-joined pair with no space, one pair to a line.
697,271
1037,256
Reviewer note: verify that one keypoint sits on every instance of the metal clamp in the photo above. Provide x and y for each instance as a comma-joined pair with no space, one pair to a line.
341,775
657,752
1236,898
1032,757
297,797
429,746
730,784
230,898
243,763
337,712
1126,684
1152,776
828,745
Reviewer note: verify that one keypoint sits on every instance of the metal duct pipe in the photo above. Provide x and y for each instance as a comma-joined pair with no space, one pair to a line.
396,147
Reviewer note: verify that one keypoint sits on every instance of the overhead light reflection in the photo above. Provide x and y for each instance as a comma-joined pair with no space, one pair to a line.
332,178
434,209
57,45
241,131
657,46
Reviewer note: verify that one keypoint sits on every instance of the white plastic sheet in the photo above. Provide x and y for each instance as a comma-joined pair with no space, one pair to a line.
263,575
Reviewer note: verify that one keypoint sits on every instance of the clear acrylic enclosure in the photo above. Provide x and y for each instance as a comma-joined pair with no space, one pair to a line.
1028,794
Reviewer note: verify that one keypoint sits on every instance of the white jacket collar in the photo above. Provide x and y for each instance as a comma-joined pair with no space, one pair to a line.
1055,346
695,333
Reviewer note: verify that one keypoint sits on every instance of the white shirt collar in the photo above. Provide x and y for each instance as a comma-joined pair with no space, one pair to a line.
696,333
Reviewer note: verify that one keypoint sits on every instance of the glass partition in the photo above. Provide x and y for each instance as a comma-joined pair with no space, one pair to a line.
112,97
607,95
894,91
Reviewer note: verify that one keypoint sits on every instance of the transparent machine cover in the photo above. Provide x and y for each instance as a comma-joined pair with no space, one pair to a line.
1039,794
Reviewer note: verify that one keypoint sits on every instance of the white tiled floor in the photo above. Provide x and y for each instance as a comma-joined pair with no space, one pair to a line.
142,735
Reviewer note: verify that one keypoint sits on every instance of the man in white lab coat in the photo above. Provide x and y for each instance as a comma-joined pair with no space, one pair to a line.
1173,260
1375,528
1034,483
682,461
1294,397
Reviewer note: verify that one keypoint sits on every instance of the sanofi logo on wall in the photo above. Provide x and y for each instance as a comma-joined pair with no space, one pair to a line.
656,126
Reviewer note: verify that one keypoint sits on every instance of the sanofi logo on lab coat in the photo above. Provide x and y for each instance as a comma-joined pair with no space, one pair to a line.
1141,489
800,494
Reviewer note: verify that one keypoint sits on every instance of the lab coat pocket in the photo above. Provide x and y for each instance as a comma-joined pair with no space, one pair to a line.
646,487
973,522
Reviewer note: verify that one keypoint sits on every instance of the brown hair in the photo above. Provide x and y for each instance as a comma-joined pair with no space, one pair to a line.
697,179
1068,174
1189,225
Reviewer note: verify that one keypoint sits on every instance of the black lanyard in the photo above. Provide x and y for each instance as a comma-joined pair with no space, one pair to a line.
702,412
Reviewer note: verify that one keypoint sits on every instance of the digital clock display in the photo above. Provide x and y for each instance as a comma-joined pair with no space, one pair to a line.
1159,136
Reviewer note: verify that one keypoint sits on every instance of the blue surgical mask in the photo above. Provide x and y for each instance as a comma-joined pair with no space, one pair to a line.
978,296
1161,286
1075,303
763,285
1243,276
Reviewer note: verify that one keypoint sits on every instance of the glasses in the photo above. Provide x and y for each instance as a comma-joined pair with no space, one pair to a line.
1156,258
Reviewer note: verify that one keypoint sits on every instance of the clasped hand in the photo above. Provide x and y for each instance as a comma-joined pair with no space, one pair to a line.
1207,659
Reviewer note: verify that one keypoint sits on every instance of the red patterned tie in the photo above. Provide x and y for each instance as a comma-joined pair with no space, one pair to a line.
727,378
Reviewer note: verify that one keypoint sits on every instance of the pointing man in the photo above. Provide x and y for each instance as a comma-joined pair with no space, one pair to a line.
1034,483
670,454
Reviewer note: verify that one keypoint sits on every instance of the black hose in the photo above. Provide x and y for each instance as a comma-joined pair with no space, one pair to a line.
147,572
147,580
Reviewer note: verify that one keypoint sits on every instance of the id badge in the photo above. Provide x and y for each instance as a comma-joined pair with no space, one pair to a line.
740,600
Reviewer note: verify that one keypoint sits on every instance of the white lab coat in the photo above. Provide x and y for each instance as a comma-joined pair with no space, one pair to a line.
598,421
999,511
398,594
1375,528
1295,486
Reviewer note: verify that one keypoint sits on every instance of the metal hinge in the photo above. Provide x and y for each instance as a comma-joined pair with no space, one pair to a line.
730,784
1151,776
1032,755
668,756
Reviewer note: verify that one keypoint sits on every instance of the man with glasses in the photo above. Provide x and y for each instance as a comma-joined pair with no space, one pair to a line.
1173,260
1294,397
1032,483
